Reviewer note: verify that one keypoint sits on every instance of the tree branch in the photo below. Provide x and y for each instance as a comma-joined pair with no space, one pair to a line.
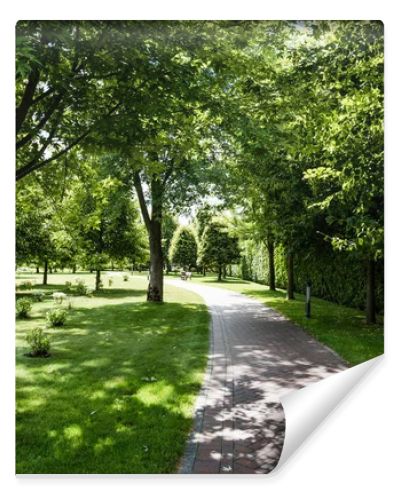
168,174
43,95
32,166
27,98
142,202
56,102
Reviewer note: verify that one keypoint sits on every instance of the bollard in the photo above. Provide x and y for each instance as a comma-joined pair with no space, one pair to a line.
308,300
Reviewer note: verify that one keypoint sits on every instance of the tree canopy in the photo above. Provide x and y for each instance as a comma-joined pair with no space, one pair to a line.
282,119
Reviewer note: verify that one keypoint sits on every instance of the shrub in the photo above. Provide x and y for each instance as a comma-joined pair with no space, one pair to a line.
23,306
25,285
38,295
57,317
81,288
125,277
68,286
39,342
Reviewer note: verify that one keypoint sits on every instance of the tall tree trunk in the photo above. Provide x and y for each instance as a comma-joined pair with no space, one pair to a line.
155,289
74,268
204,270
224,271
290,276
370,306
45,270
98,280
219,273
271,264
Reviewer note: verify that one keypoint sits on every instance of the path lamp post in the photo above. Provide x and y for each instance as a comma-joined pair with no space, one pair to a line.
308,299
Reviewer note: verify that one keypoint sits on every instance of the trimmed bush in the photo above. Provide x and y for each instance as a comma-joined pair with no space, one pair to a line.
56,317
39,342
23,307
25,285
81,288
37,295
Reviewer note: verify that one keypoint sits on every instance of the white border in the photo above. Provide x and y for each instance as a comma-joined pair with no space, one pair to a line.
353,453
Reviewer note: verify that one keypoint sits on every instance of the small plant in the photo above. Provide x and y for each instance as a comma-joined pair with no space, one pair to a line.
25,285
23,307
38,295
125,277
68,286
39,342
57,317
81,288
110,281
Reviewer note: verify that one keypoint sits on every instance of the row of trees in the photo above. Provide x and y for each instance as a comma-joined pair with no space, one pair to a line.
86,218
283,119
215,251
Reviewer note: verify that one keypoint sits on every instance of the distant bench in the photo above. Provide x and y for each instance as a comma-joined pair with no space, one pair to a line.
186,275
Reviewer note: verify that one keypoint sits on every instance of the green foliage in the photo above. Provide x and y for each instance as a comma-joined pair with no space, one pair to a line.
168,229
183,250
115,344
283,118
38,295
39,342
56,317
335,276
341,328
23,307
25,285
218,248
68,286
81,288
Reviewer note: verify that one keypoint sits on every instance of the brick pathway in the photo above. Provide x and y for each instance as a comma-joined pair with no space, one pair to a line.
256,356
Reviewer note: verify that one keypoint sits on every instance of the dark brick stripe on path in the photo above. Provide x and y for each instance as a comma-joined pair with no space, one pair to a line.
256,356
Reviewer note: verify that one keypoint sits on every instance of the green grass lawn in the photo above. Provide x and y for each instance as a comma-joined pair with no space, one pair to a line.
341,328
117,393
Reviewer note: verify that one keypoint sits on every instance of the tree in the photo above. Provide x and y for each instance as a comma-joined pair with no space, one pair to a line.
348,183
103,216
218,248
168,229
183,251
36,223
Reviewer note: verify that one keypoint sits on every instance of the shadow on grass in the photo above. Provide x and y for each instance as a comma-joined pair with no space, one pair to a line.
118,293
116,394
226,281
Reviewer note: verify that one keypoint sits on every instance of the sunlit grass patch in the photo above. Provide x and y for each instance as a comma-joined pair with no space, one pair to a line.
117,393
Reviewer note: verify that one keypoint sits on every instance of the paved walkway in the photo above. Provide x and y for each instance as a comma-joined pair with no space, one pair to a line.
256,356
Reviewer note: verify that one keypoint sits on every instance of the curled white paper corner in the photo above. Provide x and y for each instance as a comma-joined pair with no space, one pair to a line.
307,408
